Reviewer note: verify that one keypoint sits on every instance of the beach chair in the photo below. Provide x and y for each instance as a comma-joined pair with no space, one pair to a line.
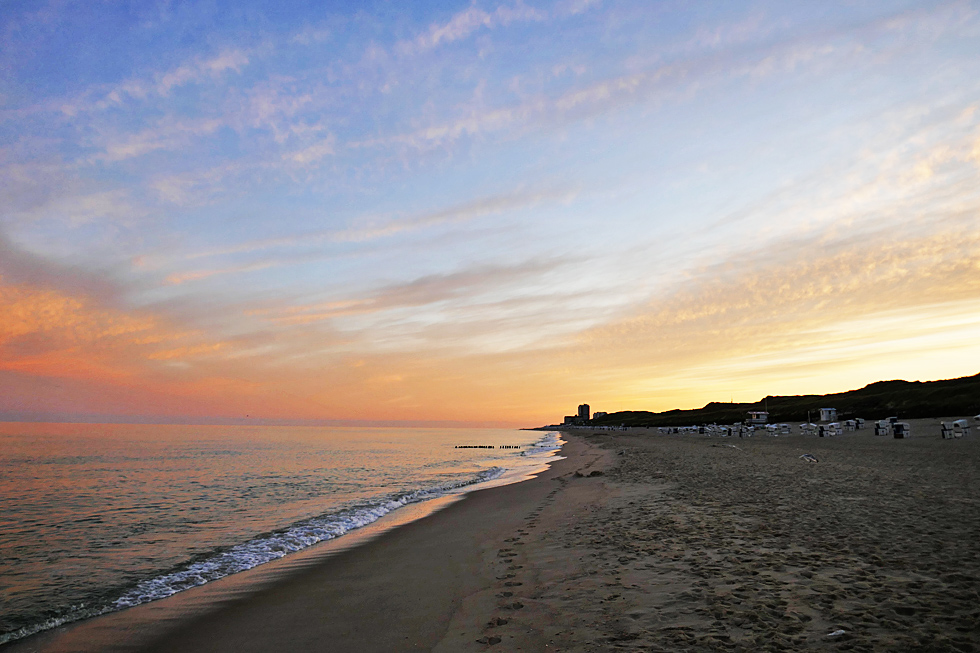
901,430
960,428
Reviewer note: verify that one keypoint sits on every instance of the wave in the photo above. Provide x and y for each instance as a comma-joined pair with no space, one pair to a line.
275,545
257,551
550,442
279,543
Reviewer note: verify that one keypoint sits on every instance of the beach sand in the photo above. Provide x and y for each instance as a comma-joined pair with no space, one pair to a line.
643,541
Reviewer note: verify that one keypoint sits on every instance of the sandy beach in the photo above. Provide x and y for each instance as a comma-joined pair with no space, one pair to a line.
642,541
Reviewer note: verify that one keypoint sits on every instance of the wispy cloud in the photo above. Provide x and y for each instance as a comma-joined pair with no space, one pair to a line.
159,84
369,228
779,300
18,265
167,134
313,153
728,53
464,23
519,202
425,291
81,208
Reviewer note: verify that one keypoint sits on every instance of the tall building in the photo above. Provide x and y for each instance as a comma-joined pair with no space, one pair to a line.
583,412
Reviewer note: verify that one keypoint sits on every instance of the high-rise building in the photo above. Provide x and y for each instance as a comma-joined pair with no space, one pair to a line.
583,412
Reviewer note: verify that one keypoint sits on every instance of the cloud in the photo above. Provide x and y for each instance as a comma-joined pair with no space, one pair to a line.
48,333
208,68
314,152
712,57
467,286
30,184
464,23
60,321
167,134
782,299
159,84
178,278
369,228
66,353
78,209
311,35
18,265
575,7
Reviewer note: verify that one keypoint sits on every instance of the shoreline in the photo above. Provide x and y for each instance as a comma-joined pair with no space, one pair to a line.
664,543
148,626
213,576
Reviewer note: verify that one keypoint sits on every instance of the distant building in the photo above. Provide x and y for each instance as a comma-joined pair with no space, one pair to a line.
598,414
571,420
757,417
583,412
828,414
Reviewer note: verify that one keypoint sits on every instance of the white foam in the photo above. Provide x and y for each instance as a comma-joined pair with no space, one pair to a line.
296,537
272,546
74,614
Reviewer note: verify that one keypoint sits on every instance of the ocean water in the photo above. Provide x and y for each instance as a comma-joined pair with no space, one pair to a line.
96,518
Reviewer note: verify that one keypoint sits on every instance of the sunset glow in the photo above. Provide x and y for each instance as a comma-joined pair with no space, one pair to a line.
482,212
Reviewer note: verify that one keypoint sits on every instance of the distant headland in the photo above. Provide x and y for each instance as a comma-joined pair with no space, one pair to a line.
910,399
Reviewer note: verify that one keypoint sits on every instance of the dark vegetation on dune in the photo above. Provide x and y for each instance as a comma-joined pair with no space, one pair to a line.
905,399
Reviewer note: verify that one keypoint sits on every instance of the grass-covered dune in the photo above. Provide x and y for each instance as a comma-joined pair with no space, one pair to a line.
906,399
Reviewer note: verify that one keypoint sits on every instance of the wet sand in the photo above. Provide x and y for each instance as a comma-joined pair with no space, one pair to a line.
642,541
427,584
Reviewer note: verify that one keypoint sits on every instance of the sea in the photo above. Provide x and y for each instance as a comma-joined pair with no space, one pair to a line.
95,518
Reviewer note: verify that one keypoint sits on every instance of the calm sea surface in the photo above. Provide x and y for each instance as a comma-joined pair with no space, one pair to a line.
95,518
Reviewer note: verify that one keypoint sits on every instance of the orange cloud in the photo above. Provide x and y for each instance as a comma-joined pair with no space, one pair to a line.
45,333
836,310
820,315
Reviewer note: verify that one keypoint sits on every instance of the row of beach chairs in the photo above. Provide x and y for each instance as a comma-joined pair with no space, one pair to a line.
894,428
955,429
883,427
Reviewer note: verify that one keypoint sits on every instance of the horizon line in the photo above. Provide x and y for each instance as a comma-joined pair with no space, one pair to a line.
62,418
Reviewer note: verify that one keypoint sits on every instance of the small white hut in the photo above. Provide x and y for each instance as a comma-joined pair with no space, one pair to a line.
757,417
828,414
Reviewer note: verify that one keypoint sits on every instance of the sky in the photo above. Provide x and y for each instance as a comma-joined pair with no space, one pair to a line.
481,212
